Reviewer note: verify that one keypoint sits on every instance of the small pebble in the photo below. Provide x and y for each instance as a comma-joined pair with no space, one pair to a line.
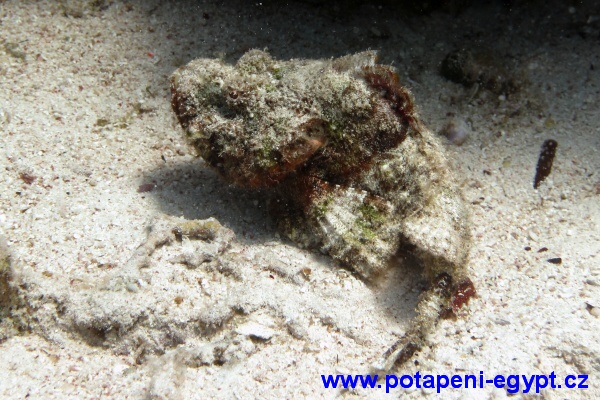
256,330
532,236
146,187
132,287
456,131
595,311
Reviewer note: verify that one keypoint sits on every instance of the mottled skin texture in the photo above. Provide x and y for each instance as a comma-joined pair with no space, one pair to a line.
352,169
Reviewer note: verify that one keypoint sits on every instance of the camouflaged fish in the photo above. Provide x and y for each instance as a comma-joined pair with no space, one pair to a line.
352,169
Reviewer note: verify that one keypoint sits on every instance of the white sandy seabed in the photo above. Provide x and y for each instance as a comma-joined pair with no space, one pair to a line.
96,176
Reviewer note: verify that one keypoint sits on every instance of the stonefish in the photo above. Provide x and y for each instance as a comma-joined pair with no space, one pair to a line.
352,169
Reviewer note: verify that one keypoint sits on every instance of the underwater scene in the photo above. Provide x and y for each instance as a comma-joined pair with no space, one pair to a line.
299,199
